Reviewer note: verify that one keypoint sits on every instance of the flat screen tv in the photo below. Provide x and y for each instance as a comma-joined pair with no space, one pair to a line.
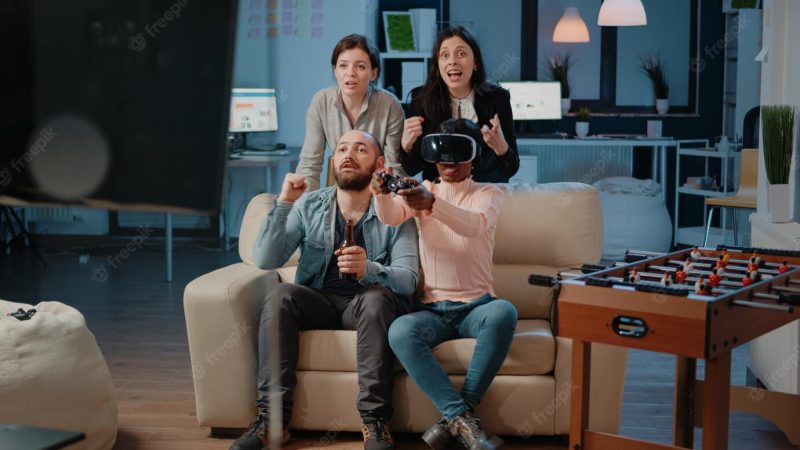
112,104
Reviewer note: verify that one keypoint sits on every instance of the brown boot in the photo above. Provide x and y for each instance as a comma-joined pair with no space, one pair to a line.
468,430
377,436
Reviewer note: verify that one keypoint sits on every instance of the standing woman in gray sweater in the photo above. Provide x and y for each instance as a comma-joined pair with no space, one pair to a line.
353,104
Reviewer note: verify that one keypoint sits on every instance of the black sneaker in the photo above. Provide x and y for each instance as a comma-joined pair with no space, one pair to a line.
256,437
469,432
377,436
438,436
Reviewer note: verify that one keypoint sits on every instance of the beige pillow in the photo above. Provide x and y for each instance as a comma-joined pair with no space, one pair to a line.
53,375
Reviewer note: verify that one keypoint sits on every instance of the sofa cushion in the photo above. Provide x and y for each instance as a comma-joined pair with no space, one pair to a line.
555,224
532,351
511,283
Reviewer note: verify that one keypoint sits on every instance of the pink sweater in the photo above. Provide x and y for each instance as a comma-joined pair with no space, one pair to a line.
456,240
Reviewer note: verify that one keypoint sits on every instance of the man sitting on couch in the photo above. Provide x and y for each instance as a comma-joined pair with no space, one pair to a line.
384,259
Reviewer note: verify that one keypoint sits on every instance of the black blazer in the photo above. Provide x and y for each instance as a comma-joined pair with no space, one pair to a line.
490,99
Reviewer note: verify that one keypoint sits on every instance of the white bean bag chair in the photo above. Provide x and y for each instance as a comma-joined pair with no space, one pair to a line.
52,374
634,217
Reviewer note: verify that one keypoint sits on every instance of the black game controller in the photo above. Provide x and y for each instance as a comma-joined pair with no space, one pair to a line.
394,183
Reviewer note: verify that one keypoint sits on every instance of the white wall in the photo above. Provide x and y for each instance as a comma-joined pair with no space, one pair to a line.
296,65
666,34
779,80
496,25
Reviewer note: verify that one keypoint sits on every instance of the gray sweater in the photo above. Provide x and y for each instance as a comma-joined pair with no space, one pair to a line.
326,122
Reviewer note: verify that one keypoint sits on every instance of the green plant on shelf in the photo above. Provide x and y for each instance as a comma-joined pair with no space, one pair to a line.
400,33
777,123
583,114
654,67
558,70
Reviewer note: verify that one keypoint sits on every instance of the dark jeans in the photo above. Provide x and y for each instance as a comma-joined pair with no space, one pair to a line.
369,312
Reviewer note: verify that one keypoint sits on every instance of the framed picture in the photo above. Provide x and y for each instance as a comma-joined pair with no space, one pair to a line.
399,31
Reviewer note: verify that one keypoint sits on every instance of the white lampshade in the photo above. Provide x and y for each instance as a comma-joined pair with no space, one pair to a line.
621,13
571,27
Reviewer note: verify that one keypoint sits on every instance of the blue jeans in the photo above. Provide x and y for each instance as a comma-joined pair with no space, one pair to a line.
412,336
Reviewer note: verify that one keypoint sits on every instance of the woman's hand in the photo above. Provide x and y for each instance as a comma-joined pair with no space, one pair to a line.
412,130
494,136
419,197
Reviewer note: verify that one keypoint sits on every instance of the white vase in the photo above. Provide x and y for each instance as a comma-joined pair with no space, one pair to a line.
779,203
581,128
566,104
662,105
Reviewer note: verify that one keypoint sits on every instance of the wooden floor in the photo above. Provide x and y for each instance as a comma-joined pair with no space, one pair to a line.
138,320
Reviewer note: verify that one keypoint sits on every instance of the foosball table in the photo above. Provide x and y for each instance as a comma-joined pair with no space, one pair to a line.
695,304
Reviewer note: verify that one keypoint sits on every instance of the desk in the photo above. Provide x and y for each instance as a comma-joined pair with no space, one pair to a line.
589,164
269,164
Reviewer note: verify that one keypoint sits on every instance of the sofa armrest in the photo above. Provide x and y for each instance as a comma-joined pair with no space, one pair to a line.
609,364
222,311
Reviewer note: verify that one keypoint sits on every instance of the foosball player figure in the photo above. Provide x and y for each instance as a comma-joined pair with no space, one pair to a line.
698,285
752,266
633,276
705,289
784,267
695,254
749,278
722,261
725,255
754,258
720,266
680,275
666,279
714,278
688,266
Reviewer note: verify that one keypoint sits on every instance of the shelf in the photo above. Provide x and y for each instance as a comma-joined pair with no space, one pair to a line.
406,55
710,153
703,192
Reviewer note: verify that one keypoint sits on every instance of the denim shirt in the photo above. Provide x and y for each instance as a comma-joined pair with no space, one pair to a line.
392,252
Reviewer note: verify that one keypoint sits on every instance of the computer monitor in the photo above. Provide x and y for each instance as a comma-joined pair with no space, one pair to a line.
253,110
534,100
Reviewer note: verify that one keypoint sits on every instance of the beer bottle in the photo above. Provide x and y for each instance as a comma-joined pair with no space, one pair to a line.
347,241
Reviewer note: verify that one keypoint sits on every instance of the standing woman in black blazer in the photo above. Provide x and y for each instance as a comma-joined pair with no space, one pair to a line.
457,88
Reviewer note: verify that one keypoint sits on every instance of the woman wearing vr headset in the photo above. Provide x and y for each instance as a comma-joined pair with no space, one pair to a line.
457,88
457,219
353,104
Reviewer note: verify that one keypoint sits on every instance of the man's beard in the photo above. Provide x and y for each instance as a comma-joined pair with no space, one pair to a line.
356,182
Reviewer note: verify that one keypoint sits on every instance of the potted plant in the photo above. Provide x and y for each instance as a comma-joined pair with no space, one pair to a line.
558,70
777,125
582,124
654,67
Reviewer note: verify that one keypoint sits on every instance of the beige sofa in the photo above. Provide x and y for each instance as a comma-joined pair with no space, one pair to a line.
542,229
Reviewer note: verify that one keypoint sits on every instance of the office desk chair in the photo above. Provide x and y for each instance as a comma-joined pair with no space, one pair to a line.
745,197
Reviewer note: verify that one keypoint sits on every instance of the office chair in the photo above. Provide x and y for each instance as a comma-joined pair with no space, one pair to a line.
745,197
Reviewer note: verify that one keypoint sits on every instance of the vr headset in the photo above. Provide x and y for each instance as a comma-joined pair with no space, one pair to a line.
448,148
